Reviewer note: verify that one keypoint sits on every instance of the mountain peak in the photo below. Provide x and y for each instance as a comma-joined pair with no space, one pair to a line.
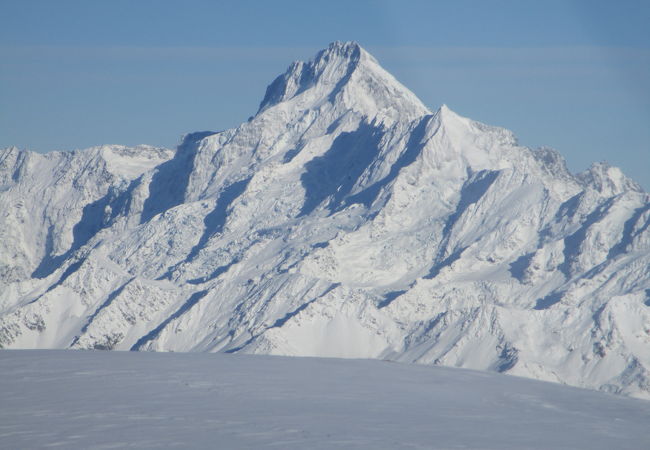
608,180
349,49
344,220
344,72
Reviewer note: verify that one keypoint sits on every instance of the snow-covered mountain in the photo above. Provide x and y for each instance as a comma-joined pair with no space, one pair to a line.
344,219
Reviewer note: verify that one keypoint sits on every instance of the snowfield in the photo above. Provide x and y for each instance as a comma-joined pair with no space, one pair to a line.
344,219
100,400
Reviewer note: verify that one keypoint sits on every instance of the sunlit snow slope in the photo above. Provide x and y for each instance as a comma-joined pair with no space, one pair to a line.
344,219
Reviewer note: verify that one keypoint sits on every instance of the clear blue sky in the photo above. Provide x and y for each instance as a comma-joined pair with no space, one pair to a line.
573,75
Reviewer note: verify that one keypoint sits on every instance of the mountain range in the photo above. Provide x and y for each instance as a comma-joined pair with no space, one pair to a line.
343,219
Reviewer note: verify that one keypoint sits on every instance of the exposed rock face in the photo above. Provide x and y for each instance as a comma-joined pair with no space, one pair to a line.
344,219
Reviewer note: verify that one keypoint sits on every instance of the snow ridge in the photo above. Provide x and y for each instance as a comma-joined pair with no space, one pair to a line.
344,219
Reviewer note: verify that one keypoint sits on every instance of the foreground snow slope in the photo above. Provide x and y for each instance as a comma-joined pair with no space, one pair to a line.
344,219
69,399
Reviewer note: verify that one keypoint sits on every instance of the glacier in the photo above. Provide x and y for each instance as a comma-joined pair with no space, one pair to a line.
344,219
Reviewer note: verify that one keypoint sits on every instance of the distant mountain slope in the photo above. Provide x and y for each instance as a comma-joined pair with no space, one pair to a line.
344,219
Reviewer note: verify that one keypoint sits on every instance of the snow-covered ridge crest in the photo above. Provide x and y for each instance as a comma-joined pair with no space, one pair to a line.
54,202
343,219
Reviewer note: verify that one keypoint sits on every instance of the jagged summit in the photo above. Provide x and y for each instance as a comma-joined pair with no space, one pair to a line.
346,73
344,219
329,66
608,179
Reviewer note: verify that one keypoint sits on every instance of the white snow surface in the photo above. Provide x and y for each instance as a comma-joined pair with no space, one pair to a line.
95,400
344,219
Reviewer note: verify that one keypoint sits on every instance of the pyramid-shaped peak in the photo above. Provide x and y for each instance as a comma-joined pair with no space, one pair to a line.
344,72
445,111
338,52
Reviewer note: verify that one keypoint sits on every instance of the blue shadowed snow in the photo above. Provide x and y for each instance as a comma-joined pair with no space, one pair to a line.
334,174
93,400
549,300
193,300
